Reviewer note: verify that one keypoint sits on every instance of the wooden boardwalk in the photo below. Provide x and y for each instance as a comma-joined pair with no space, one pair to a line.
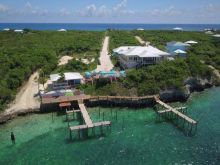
62,99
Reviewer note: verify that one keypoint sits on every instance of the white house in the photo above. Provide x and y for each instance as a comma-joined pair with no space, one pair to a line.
140,29
61,30
216,35
18,31
178,29
135,56
70,79
6,29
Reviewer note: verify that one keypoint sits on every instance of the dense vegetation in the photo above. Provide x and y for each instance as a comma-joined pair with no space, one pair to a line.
121,38
22,54
166,75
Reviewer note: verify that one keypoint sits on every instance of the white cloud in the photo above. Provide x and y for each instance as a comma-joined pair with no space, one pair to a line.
33,10
64,12
170,11
91,10
28,5
3,8
120,6
102,11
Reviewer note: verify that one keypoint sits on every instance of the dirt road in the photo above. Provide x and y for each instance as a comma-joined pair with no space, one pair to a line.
105,61
27,97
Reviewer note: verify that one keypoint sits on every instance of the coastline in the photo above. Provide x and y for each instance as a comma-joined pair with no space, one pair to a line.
105,26
5,117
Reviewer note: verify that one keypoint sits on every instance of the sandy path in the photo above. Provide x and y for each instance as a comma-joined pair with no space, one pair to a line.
27,97
64,60
141,41
105,61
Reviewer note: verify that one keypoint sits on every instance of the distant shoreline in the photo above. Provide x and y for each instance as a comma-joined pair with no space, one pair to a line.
105,26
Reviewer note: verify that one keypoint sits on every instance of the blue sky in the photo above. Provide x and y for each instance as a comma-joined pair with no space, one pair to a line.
110,11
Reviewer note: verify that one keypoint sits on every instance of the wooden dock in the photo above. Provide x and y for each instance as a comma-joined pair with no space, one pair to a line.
135,101
187,124
86,116
98,124
170,109
87,119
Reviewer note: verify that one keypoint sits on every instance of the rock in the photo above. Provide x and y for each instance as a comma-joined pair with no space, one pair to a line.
198,84
174,95
4,117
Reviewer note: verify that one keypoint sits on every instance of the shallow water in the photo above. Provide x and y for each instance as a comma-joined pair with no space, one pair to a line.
135,138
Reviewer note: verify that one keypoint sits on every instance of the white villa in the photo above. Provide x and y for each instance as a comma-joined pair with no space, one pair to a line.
62,30
70,79
135,56
18,31
6,29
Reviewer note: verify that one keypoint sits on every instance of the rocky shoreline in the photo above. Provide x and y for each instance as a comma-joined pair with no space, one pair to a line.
190,85
4,116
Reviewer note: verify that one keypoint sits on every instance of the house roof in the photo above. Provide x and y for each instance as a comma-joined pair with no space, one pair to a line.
54,77
216,35
179,51
67,76
177,43
141,51
61,30
6,29
73,76
177,28
191,42
18,30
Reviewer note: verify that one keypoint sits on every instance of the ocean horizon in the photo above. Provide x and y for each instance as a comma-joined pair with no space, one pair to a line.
105,26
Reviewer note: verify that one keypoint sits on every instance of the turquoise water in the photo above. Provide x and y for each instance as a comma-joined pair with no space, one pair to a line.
135,138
